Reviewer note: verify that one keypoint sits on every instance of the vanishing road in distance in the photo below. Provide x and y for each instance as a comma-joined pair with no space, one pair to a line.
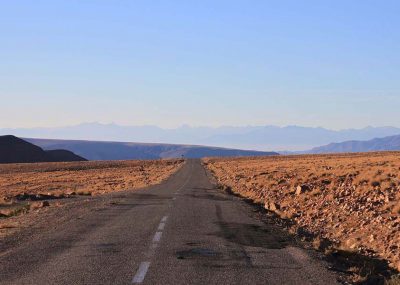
183,231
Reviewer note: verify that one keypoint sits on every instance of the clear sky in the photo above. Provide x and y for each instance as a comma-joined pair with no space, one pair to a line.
325,63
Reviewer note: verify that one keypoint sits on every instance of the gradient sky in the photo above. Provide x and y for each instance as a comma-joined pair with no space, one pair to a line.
334,64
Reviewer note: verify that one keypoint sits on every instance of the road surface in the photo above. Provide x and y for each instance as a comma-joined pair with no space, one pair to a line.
183,231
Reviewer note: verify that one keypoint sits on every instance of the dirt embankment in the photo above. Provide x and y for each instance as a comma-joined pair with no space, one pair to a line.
352,200
31,187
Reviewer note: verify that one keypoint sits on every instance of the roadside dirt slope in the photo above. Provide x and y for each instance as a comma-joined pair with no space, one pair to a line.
353,200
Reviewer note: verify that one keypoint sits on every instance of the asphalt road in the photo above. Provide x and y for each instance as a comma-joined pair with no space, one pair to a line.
183,231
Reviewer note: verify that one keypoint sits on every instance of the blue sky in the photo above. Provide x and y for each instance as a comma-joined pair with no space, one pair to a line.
334,64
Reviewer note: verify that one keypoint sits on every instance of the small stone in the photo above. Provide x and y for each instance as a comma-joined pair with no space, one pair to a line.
301,189
38,205
273,206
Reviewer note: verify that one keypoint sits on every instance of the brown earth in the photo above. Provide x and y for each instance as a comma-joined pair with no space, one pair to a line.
350,200
33,187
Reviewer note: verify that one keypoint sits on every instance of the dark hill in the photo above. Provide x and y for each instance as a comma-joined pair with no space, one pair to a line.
63,155
16,150
98,150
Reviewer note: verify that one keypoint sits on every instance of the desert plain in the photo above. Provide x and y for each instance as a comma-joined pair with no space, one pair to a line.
27,189
348,203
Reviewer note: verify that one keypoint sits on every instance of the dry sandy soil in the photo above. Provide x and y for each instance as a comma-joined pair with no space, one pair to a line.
349,201
26,188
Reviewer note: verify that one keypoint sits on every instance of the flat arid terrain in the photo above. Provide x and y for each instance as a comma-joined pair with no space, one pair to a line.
341,203
183,230
89,223
33,187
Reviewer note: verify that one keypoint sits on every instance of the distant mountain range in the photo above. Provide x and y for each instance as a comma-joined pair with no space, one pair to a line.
378,144
16,150
13,149
249,137
98,150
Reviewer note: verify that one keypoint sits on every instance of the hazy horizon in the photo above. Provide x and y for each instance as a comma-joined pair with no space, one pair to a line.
263,138
184,125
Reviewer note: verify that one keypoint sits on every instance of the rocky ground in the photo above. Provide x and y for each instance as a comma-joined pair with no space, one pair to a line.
347,201
32,188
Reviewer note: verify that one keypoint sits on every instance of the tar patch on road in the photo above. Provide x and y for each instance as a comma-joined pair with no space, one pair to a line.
110,248
251,235
208,196
196,253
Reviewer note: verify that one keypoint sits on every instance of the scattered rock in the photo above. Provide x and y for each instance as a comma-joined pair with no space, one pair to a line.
4,213
325,181
38,205
271,206
352,200
302,189
84,193
321,243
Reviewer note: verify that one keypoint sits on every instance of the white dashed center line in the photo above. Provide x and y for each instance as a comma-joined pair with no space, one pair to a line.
157,237
144,266
141,273
161,226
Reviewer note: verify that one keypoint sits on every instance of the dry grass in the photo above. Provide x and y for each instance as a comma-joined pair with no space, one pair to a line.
37,188
29,187
87,178
351,199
